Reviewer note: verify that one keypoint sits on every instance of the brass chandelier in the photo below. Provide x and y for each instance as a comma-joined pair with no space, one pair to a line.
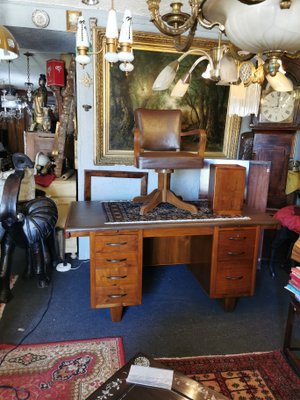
258,32
176,23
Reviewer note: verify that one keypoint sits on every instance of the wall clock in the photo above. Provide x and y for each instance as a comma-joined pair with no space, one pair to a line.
277,107
40,18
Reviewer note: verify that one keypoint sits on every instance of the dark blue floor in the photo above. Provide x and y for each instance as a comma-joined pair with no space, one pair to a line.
176,317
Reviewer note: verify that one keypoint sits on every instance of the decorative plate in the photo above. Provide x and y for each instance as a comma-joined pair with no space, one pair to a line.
40,18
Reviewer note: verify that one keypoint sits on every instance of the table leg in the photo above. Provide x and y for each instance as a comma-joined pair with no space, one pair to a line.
229,303
116,313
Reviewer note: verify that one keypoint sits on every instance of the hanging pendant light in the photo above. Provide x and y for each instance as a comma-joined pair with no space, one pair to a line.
28,84
9,48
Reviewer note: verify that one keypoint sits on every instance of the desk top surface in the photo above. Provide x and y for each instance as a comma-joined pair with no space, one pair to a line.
88,216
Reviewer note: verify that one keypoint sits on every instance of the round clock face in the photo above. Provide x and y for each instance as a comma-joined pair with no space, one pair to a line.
277,107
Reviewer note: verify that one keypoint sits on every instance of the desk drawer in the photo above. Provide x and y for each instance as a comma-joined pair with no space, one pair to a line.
122,295
116,276
116,259
233,282
116,243
236,244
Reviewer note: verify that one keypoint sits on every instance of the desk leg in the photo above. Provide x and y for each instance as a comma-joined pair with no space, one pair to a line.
116,313
229,303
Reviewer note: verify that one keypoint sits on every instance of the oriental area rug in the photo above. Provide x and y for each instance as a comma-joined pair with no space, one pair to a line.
118,212
61,371
253,376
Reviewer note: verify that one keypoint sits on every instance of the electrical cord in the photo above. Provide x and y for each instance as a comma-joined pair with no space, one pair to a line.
33,329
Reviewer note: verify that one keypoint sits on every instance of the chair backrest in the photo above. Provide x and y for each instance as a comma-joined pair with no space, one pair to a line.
159,129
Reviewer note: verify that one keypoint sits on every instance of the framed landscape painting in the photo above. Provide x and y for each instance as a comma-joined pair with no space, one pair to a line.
118,95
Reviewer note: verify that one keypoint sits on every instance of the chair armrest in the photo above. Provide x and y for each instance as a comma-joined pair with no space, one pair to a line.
202,139
137,145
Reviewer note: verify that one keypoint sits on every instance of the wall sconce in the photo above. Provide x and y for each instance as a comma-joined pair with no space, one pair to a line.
118,47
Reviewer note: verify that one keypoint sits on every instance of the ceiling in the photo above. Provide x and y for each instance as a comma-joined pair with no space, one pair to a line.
47,44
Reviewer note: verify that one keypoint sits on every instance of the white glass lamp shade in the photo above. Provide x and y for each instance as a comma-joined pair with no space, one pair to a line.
112,25
260,27
126,56
82,38
126,28
166,76
9,48
228,69
126,67
181,87
280,82
83,59
207,73
111,57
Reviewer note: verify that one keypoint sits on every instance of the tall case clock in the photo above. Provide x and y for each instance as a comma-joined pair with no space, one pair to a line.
274,132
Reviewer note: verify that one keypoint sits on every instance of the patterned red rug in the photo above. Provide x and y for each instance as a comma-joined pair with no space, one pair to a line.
61,371
254,376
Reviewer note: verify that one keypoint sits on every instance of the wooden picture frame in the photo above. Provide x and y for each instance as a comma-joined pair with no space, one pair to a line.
118,95
72,19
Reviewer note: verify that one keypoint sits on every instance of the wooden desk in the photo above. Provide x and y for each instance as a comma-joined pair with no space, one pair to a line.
221,254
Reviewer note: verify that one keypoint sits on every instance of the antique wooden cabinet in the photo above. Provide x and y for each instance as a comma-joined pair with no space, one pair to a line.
275,145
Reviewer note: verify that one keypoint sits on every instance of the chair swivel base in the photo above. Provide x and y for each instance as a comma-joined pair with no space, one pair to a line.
158,196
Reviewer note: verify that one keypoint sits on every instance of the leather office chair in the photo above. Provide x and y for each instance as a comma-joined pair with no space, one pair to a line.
157,145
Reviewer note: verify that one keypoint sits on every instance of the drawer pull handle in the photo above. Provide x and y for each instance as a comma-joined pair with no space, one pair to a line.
234,278
237,238
113,278
235,253
116,244
116,296
115,261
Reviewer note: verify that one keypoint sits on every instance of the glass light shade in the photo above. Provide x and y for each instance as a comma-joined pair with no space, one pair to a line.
228,69
111,57
126,28
166,76
243,100
126,67
82,38
280,82
112,25
83,59
257,28
126,56
207,73
9,48
181,87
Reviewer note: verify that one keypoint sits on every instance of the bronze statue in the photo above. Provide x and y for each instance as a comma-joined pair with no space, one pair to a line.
40,96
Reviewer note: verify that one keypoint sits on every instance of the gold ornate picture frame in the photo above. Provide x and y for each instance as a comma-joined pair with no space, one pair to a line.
72,19
118,95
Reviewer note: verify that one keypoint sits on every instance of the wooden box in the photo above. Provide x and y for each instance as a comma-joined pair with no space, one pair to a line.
226,188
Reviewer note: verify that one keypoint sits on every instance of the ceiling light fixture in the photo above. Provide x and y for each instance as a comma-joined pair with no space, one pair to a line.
9,48
249,26
90,2
118,47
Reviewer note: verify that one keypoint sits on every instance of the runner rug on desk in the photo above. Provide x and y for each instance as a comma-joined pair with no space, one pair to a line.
118,212
252,376
61,371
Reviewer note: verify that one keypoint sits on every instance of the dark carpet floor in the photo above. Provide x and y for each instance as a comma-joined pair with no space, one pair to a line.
176,317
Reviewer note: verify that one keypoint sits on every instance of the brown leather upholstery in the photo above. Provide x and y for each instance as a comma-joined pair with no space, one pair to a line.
157,145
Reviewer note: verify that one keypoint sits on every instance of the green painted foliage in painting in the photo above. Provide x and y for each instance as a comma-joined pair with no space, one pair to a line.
203,106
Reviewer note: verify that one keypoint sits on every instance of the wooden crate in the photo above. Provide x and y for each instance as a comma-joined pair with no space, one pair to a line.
226,188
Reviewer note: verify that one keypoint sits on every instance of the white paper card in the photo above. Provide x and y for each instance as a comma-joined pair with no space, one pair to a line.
149,376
